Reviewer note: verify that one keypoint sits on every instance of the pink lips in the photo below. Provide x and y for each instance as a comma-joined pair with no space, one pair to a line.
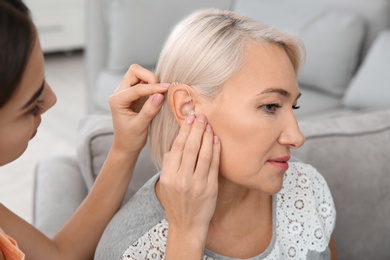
280,163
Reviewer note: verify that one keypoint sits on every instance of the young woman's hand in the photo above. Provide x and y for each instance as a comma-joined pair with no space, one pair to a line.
133,105
188,187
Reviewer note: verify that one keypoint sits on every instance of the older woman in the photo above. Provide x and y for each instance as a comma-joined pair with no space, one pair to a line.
236,78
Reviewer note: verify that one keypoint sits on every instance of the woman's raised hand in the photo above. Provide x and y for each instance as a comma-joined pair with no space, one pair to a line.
188,187
133,105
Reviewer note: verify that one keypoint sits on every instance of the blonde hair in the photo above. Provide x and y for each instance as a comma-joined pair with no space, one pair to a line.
204,51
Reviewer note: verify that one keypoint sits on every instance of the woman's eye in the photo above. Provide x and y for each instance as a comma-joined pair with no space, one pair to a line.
271,108
37,108
296,107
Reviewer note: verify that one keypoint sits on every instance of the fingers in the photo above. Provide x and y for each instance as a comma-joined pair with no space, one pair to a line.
149,110
126,97
214,167
176,153
137,74
208,159
195,150
141,90
194,144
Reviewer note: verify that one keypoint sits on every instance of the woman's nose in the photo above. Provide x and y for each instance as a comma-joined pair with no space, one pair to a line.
292,135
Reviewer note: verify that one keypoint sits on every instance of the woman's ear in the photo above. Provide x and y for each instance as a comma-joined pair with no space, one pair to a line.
181,101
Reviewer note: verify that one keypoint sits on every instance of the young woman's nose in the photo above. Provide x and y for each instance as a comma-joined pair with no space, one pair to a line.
292,135
49,99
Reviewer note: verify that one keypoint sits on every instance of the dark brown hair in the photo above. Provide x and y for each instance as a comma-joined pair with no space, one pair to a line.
17,37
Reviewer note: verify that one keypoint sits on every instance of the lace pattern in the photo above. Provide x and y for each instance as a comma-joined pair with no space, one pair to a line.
305,219
150,246
305,214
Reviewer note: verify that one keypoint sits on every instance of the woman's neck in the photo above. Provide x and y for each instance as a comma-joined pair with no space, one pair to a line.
233,199
242,219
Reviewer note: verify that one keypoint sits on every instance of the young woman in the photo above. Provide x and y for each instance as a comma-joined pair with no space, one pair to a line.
236,78
25,96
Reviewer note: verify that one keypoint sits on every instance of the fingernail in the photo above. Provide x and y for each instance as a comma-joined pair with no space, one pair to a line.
208,128
216,139
165,85
157,100
190,119
202,118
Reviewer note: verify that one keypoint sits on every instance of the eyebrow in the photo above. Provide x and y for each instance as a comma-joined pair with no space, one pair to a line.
35,96
279,91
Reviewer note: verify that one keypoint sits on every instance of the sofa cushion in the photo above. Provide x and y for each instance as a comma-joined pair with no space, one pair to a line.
333,43
375,13
95,137
58,191
138,29
371,85
352,153
333,38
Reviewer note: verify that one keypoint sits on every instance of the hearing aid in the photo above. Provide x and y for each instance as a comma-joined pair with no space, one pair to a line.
189,108
190,112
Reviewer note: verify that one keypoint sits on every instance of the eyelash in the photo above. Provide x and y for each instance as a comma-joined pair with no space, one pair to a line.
37,108
271,108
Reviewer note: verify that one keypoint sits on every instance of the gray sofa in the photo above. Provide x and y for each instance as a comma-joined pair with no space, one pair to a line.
345,108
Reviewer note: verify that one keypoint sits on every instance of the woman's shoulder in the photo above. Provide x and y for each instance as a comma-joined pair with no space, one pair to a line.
132,222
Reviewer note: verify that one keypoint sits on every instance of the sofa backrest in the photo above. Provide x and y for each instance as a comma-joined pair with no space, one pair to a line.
376,14
95,138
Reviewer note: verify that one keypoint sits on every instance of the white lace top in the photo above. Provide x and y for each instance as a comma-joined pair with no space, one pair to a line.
303,216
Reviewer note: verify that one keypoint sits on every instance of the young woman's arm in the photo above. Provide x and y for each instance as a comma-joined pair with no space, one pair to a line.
131,121
80,235
332,248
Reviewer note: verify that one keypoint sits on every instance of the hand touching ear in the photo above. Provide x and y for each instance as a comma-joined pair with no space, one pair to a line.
188,187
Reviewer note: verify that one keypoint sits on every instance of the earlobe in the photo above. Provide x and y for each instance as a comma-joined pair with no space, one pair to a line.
181,102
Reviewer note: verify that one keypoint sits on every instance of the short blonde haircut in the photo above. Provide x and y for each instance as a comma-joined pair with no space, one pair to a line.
204,51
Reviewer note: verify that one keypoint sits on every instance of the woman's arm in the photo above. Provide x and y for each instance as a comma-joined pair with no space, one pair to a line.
131,121
132,112
332,248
